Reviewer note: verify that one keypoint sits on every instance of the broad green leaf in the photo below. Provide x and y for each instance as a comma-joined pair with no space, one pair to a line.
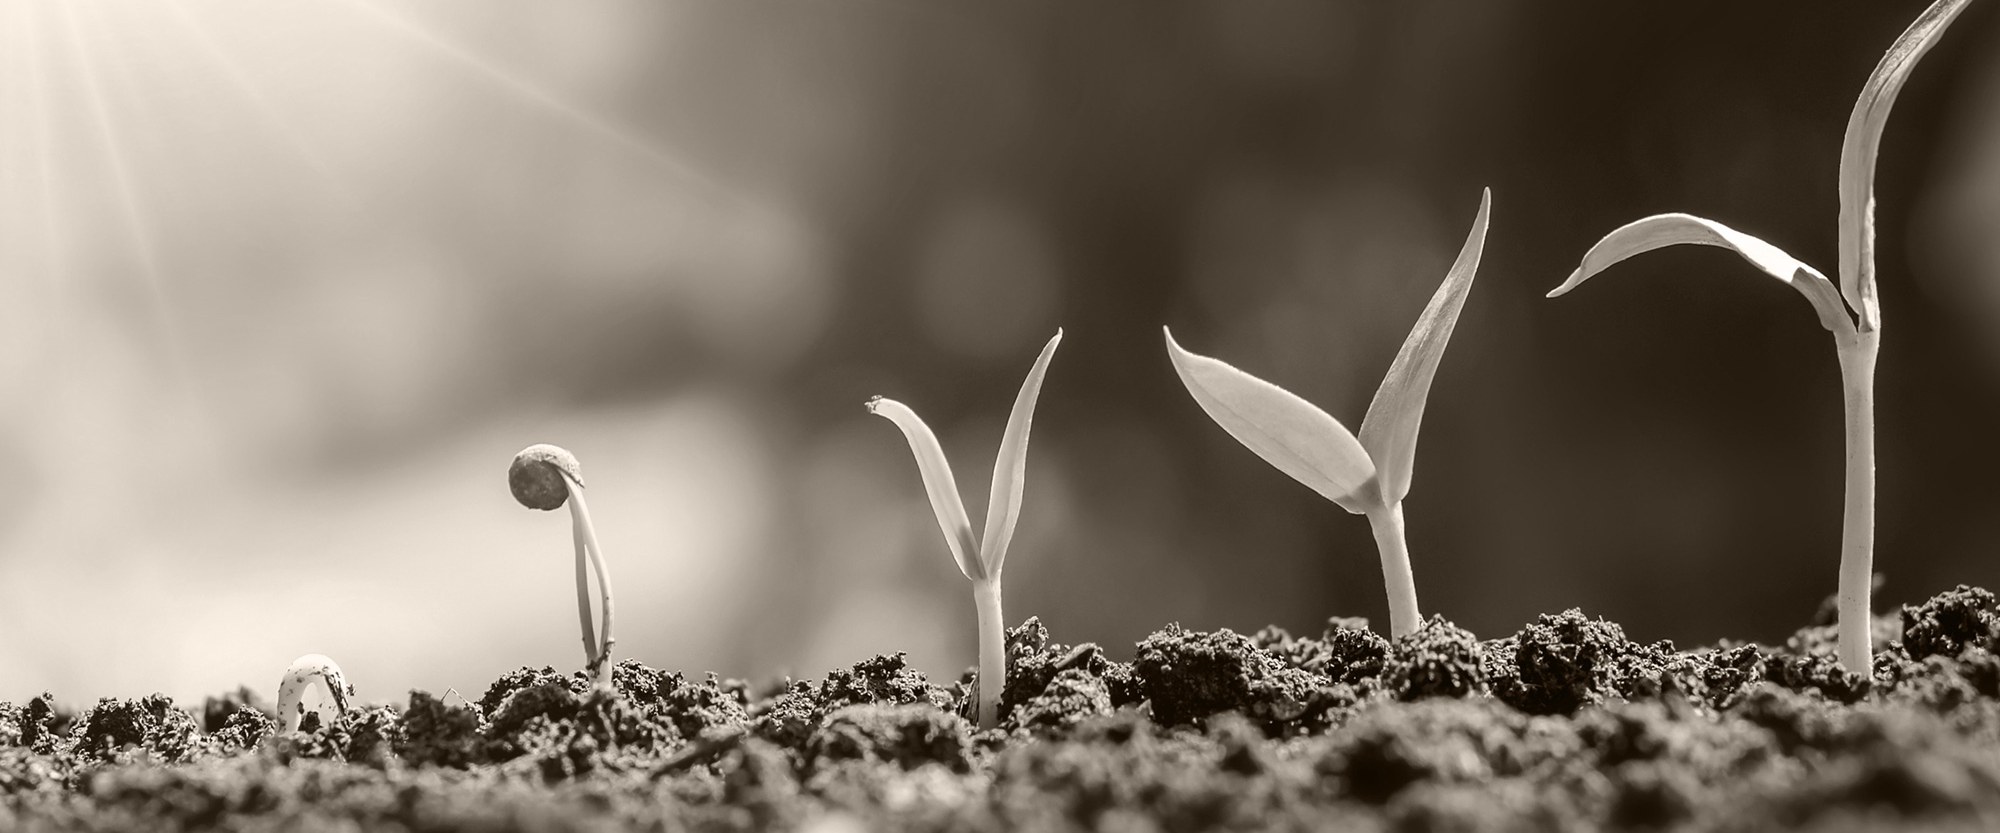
938,483
1857,156
1003,508
1288,432
1662,230
1389,431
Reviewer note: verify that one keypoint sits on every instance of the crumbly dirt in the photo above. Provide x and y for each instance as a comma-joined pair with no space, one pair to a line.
1563,725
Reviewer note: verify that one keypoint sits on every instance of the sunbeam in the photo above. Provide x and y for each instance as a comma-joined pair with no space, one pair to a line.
175,355
240,80
521,87
55,232
14,152
20,329
115,159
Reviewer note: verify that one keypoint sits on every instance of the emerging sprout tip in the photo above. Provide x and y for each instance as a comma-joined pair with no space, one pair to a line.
303,672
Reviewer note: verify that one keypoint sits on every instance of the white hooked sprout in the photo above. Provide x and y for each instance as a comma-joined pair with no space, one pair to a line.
305,671
980,559
1856,321
1368,475
544,477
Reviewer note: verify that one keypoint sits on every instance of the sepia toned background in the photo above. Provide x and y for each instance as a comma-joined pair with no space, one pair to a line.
287,285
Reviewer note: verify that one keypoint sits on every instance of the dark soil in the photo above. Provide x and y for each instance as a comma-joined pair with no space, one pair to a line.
1565,725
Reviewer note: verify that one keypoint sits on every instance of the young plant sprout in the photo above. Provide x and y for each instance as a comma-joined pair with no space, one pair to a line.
979,559
304,672
1856,323
544,477
1368,475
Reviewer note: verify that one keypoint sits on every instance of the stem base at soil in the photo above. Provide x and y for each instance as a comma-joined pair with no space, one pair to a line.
600,665
992,650
1397,578
583,617
1857,531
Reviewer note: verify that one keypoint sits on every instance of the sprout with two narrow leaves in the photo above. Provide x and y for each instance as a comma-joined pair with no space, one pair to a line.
1366,475
980,559
544,477
305,671
1856,322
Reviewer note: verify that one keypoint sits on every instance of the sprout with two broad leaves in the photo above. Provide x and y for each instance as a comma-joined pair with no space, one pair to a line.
1366,475
1856,322
980,559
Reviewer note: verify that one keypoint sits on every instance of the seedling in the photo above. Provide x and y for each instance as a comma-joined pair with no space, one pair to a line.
305,671
545,477
979,559
1856,322
1369,475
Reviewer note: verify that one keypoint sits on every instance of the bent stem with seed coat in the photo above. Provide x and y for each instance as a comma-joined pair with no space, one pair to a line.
543,477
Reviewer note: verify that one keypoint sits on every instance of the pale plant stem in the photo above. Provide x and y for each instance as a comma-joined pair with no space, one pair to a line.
600,665
1387,521
1857,531
582,586
992,650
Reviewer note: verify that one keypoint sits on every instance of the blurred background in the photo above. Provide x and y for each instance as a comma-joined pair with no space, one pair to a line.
287,285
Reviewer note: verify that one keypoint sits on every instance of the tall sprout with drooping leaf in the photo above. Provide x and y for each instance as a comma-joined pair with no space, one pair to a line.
980,559
1856,322
1366,475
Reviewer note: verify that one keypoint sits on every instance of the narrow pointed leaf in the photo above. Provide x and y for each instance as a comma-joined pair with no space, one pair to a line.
1389,431
938,483
1857,156
1288,432
1003,508
1662,230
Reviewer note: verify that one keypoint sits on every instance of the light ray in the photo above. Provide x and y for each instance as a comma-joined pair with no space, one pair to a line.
521,87
20,329
137,229
269,113
14,176
42,114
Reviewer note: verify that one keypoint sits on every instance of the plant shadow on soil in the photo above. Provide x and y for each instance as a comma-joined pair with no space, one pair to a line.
1564,725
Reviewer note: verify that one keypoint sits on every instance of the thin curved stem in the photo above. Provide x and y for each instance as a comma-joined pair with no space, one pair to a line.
992,650
1397,578
1857,532
600,663
583,617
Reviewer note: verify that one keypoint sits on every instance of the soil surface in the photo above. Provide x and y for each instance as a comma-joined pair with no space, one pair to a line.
1564,725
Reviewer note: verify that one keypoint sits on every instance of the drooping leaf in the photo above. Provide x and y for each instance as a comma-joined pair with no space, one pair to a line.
1662,230
938,483
1288,432
1857,155
1389,431
1003,508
